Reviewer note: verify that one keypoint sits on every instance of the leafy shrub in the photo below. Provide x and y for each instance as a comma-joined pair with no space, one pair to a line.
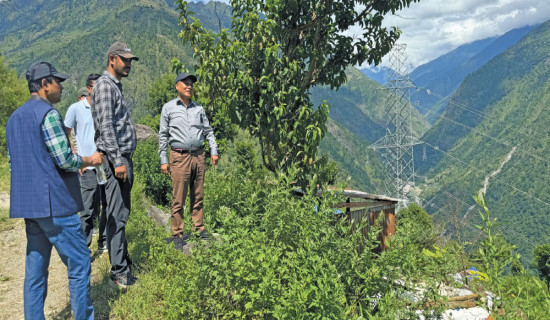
276,258
158,186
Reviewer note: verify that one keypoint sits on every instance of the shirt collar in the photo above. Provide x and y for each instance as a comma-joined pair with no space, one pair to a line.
110,76
39,98
180,103
85,102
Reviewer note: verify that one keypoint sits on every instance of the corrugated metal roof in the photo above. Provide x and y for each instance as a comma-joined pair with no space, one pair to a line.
360,194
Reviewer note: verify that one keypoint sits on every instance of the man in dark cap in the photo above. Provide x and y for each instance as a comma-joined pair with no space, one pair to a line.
115,136
45,192
183,126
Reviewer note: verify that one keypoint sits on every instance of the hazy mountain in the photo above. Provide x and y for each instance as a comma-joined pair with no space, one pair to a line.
439,78
379,74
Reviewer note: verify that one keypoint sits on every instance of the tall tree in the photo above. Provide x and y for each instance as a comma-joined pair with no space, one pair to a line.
13,93
262,68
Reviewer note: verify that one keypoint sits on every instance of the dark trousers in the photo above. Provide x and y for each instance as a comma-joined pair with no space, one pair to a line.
187,172
118,193
95,205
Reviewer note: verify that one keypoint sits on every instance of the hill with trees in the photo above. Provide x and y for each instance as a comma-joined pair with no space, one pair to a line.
279,255
438,79
493,136
32,30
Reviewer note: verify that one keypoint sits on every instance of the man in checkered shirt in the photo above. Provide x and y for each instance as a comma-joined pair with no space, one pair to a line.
115,137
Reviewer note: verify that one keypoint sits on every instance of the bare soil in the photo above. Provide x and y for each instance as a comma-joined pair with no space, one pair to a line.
13,244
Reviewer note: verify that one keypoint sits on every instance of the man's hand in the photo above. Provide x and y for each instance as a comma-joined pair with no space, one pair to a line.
121,173
82,170
92,161
214,160
165,168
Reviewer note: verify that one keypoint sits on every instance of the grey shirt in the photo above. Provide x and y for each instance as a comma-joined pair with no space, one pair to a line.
184,128
114,130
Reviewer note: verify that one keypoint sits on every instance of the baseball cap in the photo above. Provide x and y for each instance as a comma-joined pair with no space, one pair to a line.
184,75
121,49
83,92
42,69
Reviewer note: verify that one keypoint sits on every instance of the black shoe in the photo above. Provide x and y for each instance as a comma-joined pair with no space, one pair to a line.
179,243
204,235
123,280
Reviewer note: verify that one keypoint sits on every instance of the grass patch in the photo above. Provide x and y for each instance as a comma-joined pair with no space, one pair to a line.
5,222
142,233
4,174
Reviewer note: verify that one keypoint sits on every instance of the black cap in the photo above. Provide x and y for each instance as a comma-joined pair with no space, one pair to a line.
184,75
121,49
42,69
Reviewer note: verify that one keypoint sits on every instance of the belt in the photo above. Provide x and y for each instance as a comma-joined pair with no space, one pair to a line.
190,151
125,155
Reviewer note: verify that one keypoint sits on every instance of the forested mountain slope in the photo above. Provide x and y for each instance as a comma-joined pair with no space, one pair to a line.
75,35
443,75
495,135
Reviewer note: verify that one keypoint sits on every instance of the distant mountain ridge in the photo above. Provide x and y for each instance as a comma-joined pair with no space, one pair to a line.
443,75
494,135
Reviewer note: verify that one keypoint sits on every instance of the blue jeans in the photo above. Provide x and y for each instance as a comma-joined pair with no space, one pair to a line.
66,235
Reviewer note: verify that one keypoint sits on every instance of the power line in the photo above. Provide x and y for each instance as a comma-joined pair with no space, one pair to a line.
507,144
474,111
495,178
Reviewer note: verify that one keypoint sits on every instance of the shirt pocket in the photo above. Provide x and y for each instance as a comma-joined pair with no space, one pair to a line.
196,120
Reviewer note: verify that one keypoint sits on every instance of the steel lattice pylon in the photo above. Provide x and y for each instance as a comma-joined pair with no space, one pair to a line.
396,146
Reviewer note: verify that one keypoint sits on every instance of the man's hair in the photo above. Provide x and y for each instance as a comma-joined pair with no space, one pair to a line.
35,85
91,78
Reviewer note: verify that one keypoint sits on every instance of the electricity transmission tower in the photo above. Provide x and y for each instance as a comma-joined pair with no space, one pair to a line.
396,147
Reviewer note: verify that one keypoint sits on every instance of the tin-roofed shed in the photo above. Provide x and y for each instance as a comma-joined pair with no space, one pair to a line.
369,206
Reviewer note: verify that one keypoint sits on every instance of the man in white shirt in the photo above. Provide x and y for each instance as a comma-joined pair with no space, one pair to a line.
79,119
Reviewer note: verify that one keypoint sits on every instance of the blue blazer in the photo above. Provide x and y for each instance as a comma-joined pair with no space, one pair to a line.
39,188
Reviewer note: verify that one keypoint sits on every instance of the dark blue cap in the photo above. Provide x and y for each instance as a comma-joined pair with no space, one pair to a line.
184,75
42,69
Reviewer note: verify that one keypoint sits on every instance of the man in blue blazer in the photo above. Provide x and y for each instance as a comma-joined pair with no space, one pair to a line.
45,192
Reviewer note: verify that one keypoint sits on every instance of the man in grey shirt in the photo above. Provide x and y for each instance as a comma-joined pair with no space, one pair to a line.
183,126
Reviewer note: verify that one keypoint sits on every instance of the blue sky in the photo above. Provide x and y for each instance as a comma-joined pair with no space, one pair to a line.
434,27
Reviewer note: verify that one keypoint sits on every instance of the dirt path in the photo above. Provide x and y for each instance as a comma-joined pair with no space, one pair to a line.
12,272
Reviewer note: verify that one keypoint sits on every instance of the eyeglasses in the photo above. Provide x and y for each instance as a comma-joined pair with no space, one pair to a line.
188,83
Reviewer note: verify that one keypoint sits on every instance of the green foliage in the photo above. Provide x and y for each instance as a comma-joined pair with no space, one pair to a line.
501,106
263,68
158,186
276,258
541,262
161,91
494,253
523,297
415,221
152,122
517,266
13,93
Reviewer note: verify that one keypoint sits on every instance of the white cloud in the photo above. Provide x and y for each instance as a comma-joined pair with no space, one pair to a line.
434,27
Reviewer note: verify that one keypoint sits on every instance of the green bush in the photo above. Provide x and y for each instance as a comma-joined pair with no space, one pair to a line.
277,258
147,166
